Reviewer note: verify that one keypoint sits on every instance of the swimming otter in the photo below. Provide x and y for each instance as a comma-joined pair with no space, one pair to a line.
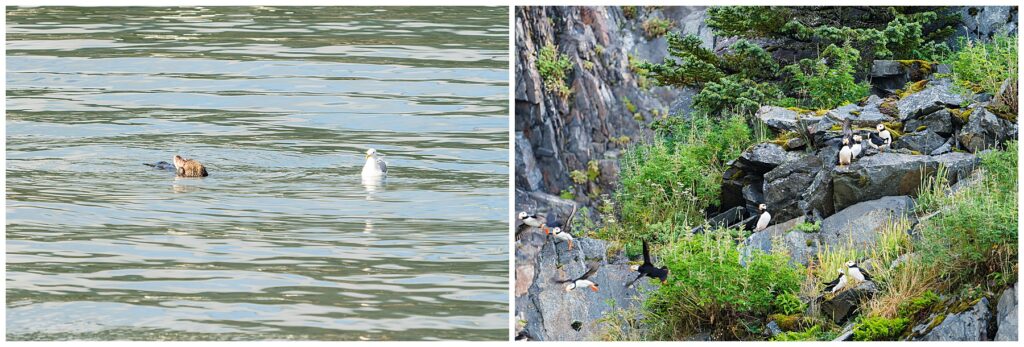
189,167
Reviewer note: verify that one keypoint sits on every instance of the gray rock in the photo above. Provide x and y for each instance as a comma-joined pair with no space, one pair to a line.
817,198
764,157
772,328
781,119
934,97
982,22
858,226
969,325
945,148
801,246
941,122
983,130
784,186
889,75
843,305
891,174
1006,315
924,141
528,176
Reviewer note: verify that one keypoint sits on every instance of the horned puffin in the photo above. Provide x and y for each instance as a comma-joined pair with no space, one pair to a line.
556,230
881,139
856,148
837,283
842,281
846,153
583,281
762,222
533,220
648,269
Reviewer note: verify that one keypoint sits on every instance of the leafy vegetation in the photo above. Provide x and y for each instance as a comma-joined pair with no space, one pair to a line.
553,68
656,27
879,329
710,288
808,227
983,66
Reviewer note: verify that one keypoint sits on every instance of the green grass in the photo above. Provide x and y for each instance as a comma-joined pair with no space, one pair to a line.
982,66
879,329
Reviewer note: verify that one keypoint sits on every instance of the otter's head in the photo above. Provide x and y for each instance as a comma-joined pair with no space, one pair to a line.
178,161
880,127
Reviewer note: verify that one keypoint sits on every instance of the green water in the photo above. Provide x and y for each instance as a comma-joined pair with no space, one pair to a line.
282,240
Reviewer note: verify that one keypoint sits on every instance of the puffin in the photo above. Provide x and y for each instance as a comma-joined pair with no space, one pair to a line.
375,167
583,281
856,148
856,272
882,138
762,222
555,229
532,220
648,269
837,283
845,154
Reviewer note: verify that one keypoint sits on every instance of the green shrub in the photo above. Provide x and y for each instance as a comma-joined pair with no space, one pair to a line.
814,333
629,12
731,94
688,64
656,27
982,66
553,68
789,304
709,285
826,86
879,329
916,304
808,227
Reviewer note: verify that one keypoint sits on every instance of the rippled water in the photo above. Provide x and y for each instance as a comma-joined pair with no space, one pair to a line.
282,240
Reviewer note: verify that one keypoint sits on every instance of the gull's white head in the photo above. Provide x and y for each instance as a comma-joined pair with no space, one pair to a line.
371,153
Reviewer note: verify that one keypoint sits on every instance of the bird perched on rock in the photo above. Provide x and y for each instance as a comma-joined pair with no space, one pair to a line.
852,271
856,148
881,139
583,281
837,283
556,230
762,222
530,220
648,269
846,153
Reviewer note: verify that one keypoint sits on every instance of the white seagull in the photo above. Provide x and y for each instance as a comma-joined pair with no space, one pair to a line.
375,167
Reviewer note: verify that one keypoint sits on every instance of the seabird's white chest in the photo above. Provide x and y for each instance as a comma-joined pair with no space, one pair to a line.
374,167
855,273
762,222
856,150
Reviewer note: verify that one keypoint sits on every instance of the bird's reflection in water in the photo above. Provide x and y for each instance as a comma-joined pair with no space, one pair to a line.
368,226
372,186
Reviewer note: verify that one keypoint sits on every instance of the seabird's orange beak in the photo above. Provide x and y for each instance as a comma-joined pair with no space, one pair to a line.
594,288
546,230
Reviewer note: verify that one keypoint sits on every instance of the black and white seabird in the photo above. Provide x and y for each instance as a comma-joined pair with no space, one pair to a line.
648,269
856,148
556,230
533,220
837,283
583,281
762,222
846,153
881,139
857,272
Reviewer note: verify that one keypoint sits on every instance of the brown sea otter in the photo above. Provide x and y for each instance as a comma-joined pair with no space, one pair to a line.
182,167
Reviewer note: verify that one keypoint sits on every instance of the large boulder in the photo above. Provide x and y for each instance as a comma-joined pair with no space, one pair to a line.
801,246
782,119
784,186
887,76
935,96
924,141
982,22
1006,315
817,198
969,325
763,157
983,130
843,305
941,122
528,176
858,226
891,174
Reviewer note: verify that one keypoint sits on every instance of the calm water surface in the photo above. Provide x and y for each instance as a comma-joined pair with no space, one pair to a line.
282,240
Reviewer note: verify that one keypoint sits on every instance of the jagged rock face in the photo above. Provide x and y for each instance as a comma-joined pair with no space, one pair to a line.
763,158
970,325
1006,315
527,174
785,185
842,306
983,130
550,311
889,75
924,141
941,122
858,226
935,96
566,134
892,174
801,246
982,22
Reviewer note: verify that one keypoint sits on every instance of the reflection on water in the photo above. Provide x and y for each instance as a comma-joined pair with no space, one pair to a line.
283,240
